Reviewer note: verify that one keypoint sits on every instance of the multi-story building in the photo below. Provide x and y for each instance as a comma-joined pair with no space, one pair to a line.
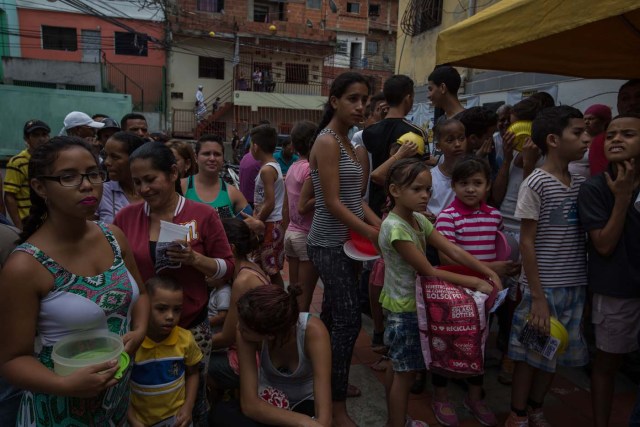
420,22
91,47
297,47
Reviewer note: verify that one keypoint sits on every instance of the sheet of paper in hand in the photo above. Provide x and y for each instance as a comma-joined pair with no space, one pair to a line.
502,295
533,339
169,233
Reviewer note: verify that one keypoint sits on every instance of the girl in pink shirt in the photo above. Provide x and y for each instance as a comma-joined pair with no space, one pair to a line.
301,269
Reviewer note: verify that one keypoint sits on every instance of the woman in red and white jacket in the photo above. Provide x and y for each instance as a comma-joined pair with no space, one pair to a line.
204,255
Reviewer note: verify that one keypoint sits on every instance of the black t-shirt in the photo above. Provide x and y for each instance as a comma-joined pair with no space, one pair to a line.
378,139
617,275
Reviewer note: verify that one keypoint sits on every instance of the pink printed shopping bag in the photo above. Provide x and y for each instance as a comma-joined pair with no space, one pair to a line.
453,324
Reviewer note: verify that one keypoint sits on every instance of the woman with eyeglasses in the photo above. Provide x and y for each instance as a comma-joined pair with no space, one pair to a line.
203,255
68,275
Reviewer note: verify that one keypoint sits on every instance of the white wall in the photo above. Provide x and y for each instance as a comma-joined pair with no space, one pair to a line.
579,93
344,60
183,69
127,9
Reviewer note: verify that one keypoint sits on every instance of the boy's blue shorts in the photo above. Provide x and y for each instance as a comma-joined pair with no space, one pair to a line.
565,304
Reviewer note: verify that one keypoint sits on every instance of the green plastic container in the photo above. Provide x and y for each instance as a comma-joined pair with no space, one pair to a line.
85,349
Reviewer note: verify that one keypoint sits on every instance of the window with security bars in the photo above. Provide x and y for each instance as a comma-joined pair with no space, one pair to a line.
134,44
214,6
420,16
372,47
59,38
296,73
210,68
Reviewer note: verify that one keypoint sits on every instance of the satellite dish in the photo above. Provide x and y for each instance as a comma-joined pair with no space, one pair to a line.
309,23
333,6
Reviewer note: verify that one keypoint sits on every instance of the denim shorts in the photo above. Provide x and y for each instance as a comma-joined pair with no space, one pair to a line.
566,305
402,336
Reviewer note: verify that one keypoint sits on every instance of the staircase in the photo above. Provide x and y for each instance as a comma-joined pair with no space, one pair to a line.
210,124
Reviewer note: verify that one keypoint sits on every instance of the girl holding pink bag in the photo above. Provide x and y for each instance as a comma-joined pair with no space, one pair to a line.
403,238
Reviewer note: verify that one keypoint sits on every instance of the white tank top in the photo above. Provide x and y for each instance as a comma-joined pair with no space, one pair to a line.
258,198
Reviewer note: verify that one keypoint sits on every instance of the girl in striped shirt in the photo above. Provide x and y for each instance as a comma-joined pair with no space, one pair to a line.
473,225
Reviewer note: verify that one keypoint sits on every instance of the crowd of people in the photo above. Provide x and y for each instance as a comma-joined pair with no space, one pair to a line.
216,338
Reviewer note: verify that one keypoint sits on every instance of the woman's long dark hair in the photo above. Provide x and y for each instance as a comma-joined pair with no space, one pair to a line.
41,163
338,88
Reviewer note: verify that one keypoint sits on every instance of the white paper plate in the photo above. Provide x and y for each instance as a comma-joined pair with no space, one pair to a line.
353,253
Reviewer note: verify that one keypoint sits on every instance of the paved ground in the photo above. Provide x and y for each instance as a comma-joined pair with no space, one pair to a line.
568,403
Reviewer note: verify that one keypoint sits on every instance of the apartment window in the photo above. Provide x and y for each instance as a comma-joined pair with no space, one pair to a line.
260,12
372,47
296,73
211,68
215,6
314,4
342,47
59,38
134,44
374,10
353,7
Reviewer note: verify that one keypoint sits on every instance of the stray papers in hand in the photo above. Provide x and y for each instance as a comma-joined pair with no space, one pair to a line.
169,233
533,339
500,297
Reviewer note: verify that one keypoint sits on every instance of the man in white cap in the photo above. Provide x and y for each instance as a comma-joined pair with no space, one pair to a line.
201,106
81,125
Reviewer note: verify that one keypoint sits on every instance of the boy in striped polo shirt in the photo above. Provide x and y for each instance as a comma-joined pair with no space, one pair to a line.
552,244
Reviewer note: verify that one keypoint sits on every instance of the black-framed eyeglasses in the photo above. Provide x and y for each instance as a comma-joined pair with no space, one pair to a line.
74,179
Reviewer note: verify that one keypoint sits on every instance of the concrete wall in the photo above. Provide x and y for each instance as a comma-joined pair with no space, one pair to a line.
32,20
416,56
60,72
12,45
20,104
115,9
183,69
278,100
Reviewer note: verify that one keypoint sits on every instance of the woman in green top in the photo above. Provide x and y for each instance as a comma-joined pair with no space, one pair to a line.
206,186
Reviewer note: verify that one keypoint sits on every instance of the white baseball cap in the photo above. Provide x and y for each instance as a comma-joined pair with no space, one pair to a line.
77,118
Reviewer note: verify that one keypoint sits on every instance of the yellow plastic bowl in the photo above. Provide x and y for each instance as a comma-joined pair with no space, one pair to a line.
522,131
413,137
560,332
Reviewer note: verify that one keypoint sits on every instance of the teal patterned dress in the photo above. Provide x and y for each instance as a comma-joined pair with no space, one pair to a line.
76,304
